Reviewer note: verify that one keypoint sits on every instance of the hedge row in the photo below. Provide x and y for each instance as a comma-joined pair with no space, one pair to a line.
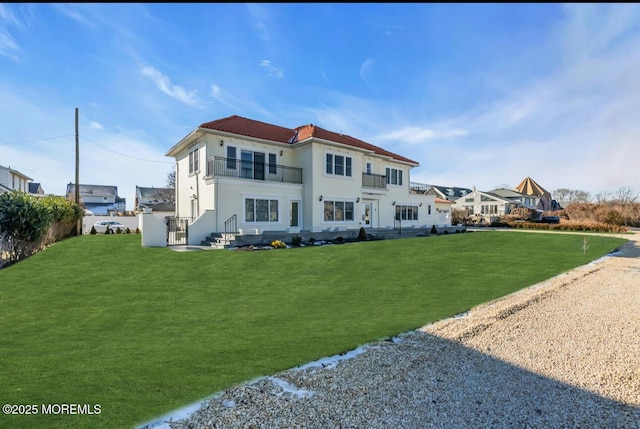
29,223
565,225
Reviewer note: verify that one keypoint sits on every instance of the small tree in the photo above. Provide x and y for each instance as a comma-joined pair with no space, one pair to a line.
362,234
93,231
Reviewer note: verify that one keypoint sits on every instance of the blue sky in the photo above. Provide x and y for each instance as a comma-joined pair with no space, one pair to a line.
480,94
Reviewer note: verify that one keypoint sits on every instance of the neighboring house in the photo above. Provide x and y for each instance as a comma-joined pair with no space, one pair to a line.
13,180
486,206
98,199
522,200
158,199
528,186
35,188
266,177
443,211
451,193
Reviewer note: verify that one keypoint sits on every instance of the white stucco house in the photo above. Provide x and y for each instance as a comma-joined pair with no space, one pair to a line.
250,176
487,206
13,180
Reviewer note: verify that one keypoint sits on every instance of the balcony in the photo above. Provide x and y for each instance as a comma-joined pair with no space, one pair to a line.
232,167
374,181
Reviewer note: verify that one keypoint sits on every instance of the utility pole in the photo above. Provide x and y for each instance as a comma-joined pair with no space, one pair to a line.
79,223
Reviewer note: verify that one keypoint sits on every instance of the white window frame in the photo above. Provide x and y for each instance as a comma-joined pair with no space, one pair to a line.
399,176
194,161
407,211
331,166
342,202
270,202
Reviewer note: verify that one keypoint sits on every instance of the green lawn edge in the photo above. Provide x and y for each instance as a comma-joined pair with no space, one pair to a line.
144,331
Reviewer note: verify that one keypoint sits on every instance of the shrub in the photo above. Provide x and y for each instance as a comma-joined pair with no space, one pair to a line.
434,230
137,230
127,231
312,240
340,239
118,231
93,231
107,230
362,234
296,240
277,244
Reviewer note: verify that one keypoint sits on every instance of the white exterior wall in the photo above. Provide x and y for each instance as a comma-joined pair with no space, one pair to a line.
225,196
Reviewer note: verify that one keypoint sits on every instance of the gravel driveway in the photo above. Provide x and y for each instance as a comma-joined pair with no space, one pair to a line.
564,353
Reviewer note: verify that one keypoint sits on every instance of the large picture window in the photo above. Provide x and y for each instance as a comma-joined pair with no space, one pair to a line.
260,210
338,211
338,165
406,212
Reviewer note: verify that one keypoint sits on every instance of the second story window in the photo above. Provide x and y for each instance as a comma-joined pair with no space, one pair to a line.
193,161
394,176
338,165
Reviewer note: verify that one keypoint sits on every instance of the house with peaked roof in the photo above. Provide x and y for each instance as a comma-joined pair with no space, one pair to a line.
157,199
35,188
485,206
265,177
13,180
98,199
450,193
530,187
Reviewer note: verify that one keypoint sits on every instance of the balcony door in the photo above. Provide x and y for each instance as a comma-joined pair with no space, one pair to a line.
253,165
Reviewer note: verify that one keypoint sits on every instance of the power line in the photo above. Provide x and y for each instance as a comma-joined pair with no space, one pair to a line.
36,140
122,154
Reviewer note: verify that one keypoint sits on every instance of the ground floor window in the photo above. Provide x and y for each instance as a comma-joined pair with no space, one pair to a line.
260,210
338,211
406,212
490,209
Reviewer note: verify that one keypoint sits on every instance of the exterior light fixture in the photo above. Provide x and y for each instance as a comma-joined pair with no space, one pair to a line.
320,199
221,143
393,203
281,153
420,204
358,200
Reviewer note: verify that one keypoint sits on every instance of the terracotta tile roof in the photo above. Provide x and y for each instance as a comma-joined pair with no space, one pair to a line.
442,200
309,131
252,128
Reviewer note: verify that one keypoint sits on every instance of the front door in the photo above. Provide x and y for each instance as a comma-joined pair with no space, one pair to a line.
367,214
294,214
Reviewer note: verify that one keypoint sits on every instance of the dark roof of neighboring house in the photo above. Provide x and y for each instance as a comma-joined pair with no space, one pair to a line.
93,189
144,192
453,191
257,129
507,193
34,187
161,207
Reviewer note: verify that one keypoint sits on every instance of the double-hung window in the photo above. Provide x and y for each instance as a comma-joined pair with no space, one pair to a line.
338,165
394,176
193,161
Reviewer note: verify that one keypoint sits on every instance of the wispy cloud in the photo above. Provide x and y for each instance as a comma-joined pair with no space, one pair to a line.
271,69
260,20
366,70
95,126
8,45
163,83
73,11
421,135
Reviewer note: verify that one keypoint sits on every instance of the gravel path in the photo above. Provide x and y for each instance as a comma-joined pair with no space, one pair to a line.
561,354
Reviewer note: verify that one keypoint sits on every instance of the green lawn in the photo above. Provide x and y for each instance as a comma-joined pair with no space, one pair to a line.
143,331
